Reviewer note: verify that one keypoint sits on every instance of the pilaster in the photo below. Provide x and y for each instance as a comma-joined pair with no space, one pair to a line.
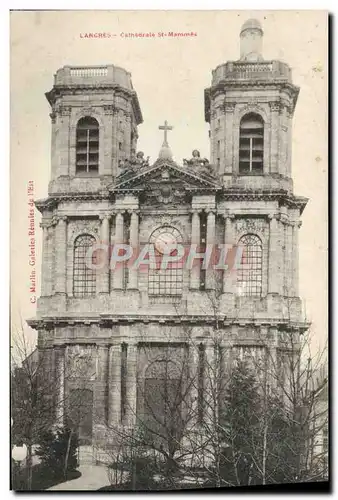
60,385
134,243
104,254
274,142
195,240
210,244
131,384
114,385
119,239
61,254
229,275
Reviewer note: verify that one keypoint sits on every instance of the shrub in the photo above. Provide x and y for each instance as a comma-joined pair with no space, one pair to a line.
58,451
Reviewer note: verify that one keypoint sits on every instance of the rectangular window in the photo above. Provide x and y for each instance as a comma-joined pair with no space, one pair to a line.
87,146
251,145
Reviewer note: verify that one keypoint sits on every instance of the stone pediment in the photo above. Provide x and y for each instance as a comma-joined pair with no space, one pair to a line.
166,174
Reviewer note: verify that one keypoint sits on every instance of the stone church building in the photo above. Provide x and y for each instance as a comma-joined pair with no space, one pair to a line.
108,331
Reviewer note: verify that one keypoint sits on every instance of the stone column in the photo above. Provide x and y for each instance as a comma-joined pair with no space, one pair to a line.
225,368
53,152
131,384
62,145
45,258
229,275
119,238
107,150
60,385
229,131
209,385
295,257
104,254
194,383
134,243
128,134
273,278
289,260
195,240
274,136
61,255
210,242
115,146
51,264
114,386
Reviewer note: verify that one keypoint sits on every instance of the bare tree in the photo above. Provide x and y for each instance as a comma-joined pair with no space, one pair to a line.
39,401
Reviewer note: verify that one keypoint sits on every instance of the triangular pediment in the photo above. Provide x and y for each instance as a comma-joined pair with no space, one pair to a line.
166,172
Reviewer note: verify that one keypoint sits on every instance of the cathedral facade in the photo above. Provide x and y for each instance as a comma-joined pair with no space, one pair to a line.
108,330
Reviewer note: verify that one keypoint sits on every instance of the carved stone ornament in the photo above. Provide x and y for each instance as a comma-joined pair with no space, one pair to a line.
131,166
250,225
81,363
76,227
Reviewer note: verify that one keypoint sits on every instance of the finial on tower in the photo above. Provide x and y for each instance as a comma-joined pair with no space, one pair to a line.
165,151
251,36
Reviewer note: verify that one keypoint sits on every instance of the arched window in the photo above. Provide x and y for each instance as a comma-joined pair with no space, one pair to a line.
87,145
251,144
165,282
84,278
249,272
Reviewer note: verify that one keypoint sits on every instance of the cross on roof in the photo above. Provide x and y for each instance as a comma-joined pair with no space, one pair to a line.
165,127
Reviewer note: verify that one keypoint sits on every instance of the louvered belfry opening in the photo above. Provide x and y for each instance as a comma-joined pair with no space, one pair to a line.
87,145
251,144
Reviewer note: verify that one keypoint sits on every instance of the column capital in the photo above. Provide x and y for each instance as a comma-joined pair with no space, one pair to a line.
229,107
64,110
109,109
119,211
275,106
299,224
196,211
272,216
103,217
132,211
210,211
60,218
132,345
228,216
283,218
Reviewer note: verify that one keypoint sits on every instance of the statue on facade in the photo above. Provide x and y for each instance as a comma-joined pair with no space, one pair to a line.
195,160
141,161
126,168
202,165
133,164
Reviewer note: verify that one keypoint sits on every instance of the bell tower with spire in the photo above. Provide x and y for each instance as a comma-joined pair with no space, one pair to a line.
250,107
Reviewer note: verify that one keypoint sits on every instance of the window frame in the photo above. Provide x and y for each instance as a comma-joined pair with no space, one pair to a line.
252,286
82,275
87,143
165,285
255,146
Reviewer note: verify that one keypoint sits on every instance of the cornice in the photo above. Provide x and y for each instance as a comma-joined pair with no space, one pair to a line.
225,194
53,199
107,321
88,88
270,84
283,196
